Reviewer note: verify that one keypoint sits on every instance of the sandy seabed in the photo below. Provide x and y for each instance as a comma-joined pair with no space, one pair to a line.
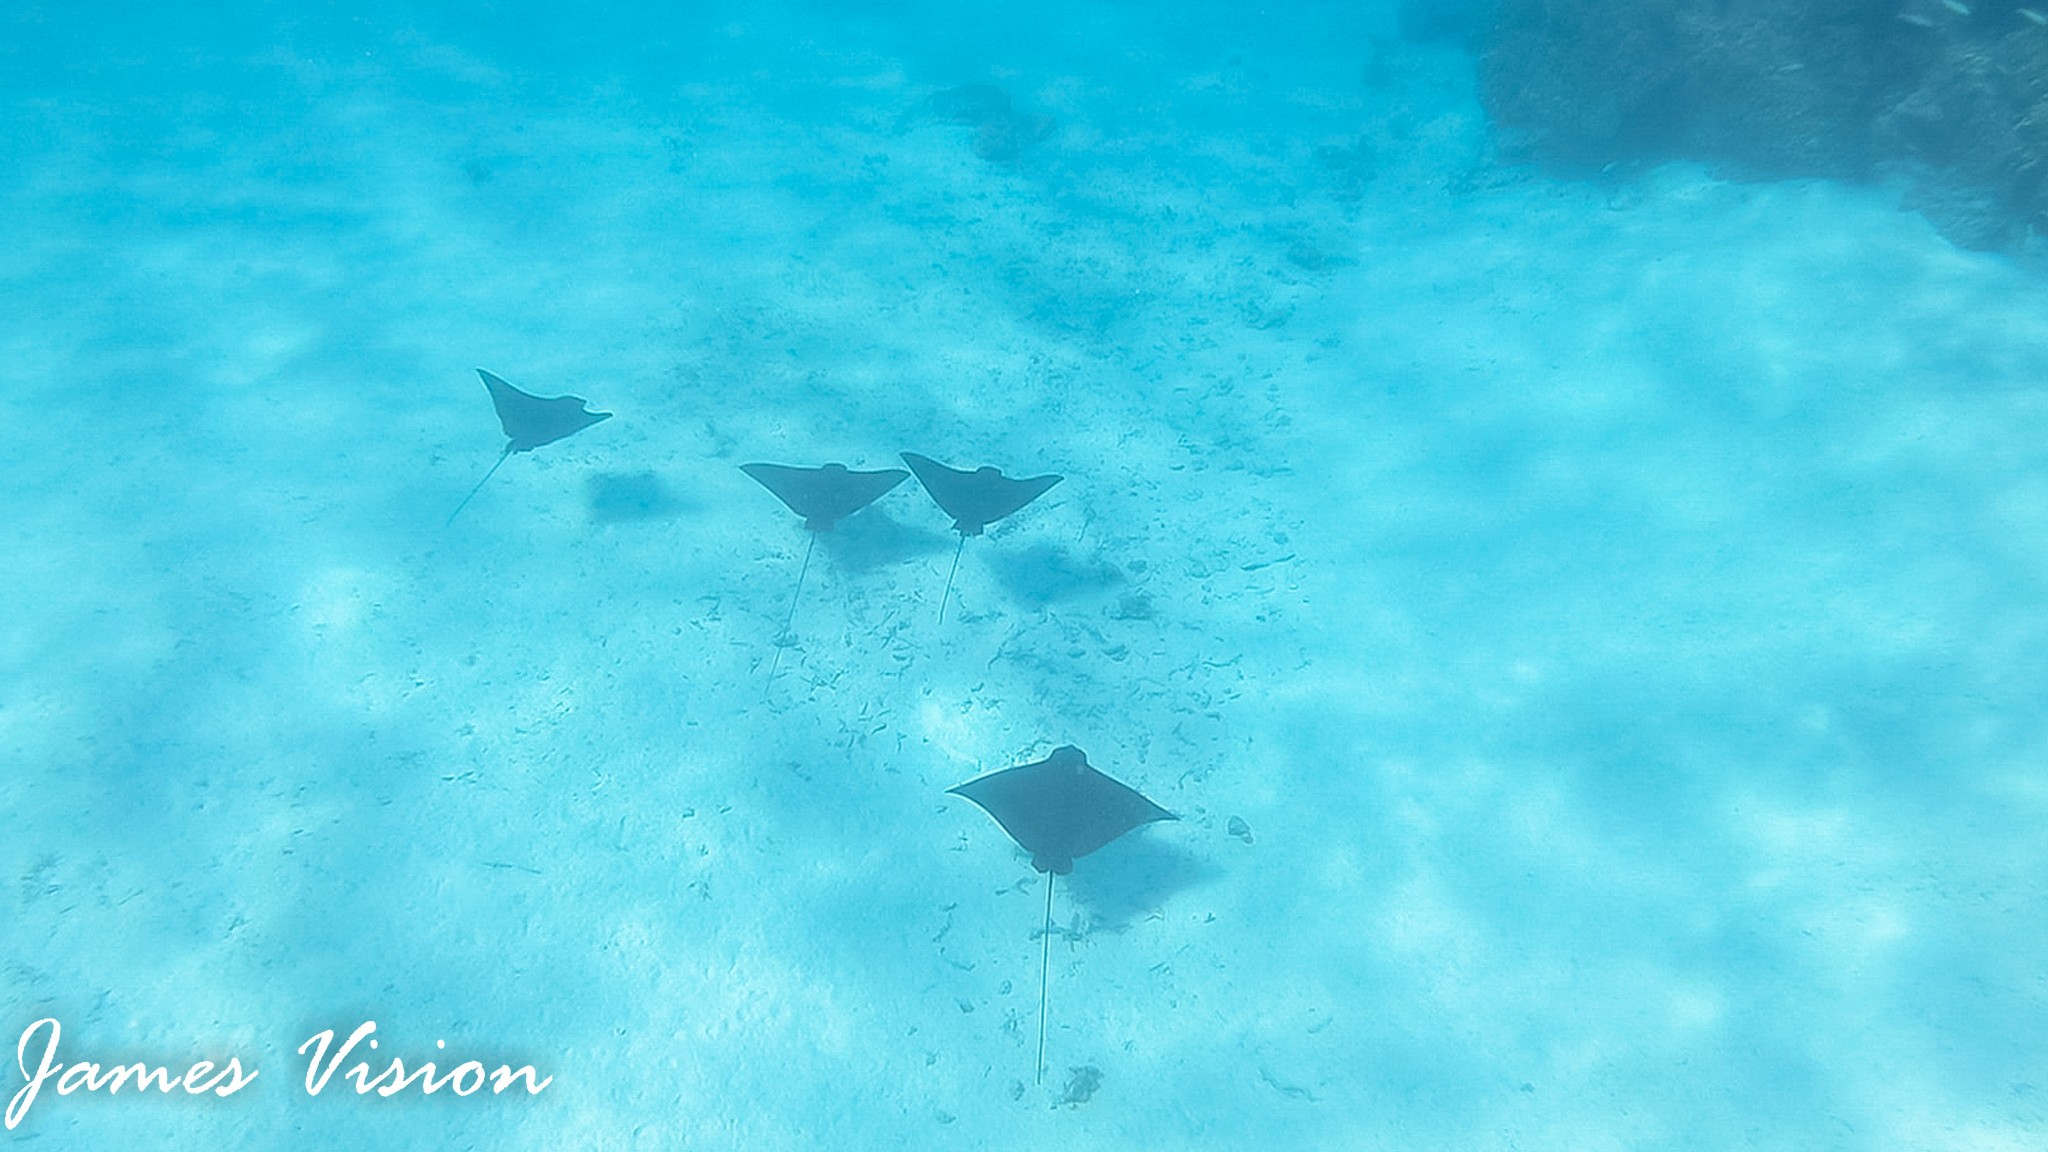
1612,608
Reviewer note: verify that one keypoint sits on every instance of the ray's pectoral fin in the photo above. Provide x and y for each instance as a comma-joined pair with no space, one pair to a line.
530,421
974,500
1059,809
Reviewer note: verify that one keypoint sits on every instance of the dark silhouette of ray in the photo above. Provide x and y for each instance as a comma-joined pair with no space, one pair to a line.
529,421
823,497
1058,809
974,500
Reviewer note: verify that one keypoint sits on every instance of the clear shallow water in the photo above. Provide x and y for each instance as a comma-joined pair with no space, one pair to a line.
1611,606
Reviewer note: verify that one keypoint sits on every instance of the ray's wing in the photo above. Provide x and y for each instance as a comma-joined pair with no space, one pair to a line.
1105,809
1018,800
1005,496
852,491
949,488
1060,808
824,496
793,486
530,421
975,499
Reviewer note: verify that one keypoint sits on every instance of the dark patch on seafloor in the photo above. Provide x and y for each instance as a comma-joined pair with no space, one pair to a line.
1082,1084
619,497
1950,98
1045,574
1129,880
873,539
1000,132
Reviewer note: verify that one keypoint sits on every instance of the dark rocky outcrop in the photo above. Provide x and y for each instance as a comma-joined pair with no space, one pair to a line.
1950,94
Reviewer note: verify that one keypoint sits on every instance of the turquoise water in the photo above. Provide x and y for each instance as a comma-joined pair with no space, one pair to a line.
1610,609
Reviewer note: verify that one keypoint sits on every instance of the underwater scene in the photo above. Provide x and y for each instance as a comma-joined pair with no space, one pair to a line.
1440,574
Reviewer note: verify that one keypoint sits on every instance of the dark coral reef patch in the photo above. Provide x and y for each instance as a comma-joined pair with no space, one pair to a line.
1951,95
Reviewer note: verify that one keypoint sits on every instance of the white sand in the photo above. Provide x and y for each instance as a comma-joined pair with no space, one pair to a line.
1614,608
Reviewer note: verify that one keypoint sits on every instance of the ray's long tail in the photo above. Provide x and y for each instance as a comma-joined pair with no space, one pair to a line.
502,457
789,621
1044,971
950,573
